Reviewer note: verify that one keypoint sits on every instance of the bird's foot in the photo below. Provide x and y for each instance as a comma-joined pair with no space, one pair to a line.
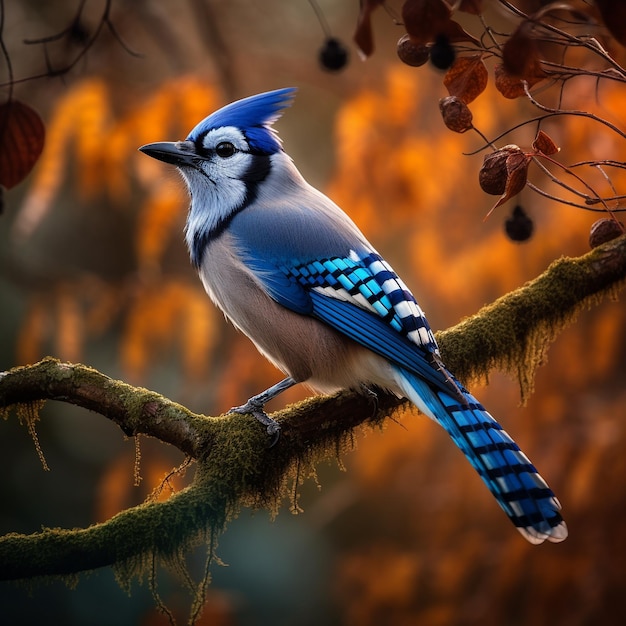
256,409
254,406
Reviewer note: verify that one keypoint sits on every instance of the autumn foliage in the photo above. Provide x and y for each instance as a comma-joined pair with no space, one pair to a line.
543,49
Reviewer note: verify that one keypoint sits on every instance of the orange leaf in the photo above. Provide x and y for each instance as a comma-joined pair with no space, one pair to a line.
156,223
198,332
510,86
66,123
22,136
467,78
543,143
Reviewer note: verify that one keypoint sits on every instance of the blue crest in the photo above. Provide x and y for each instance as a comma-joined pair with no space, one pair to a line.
254,116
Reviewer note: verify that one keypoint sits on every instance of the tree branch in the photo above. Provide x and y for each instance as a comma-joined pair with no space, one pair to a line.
235,466
514,333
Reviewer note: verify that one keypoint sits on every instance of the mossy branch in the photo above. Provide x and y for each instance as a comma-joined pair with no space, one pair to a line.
514,333
235,466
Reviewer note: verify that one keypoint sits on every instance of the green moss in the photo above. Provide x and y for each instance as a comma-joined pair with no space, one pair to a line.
515,332
28,415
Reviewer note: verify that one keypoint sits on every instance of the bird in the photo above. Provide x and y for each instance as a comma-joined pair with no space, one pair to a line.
293,272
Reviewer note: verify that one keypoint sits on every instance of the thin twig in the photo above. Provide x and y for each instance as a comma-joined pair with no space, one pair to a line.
105,20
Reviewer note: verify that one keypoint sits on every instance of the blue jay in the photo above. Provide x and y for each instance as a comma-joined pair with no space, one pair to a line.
294,273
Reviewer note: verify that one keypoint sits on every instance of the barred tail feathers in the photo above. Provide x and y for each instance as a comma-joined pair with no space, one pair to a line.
512,479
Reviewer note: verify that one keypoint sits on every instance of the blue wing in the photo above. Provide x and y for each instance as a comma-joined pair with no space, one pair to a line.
363,298
377,335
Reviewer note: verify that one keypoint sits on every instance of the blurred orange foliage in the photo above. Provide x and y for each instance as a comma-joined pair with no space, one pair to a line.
163,315
85,134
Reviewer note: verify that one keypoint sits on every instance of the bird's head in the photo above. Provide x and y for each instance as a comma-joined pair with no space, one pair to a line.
223,160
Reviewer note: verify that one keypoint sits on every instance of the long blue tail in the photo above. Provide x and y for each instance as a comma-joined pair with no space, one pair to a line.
510,476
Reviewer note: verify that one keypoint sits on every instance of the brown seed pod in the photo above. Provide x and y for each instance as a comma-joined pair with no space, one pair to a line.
492,175
411,53
503,172
456,114
604,230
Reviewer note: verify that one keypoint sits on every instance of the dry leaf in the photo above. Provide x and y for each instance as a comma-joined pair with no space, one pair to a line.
544,144
363,36
467,78
22,136
520,55
517,174
424,19
510,86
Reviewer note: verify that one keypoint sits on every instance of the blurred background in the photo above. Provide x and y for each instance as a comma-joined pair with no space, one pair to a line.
93,269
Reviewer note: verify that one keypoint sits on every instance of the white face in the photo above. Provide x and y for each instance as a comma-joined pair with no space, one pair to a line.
220,170
220,180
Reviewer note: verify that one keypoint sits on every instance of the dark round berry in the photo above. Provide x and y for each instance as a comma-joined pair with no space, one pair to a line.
519,227
333,56
78,33
442,53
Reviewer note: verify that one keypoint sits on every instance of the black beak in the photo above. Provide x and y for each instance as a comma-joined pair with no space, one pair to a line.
177,153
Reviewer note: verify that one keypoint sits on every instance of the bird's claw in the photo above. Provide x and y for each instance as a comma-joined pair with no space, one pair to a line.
272,426
273,431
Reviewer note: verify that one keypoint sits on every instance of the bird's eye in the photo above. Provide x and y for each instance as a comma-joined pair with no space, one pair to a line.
225,149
